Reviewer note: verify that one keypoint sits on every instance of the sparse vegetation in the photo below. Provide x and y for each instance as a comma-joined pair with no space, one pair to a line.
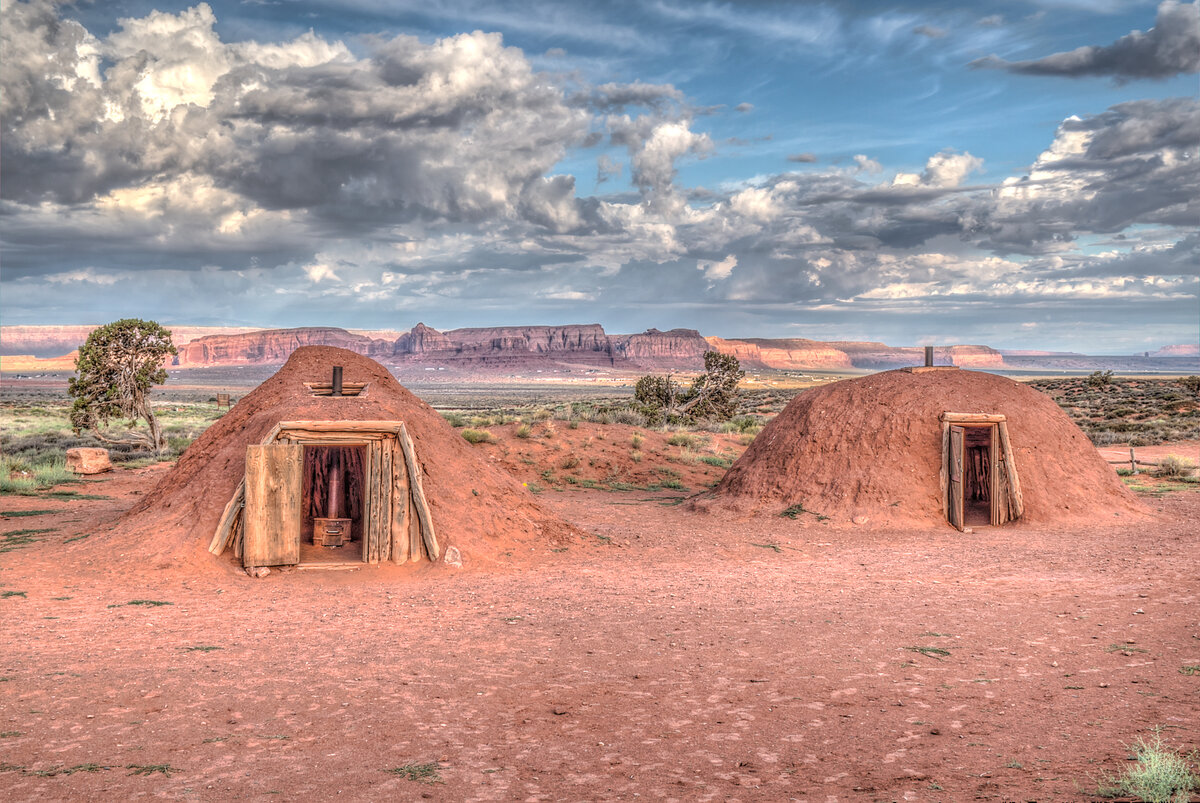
424,773
151,769
1161,774
794,511
1141,412
1173,466
932,652
477,436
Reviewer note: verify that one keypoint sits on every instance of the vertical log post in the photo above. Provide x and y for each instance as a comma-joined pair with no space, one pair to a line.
1132,462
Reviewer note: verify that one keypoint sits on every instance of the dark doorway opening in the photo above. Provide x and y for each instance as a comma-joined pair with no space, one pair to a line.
978,458
334,488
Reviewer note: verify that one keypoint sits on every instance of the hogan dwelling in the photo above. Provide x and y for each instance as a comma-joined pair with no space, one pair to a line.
317,468
925,447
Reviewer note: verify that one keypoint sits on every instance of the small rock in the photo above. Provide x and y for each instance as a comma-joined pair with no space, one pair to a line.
258,571
453,557
88,460
861,520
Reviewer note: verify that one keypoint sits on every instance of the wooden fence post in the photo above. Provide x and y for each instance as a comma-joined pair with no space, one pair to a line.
1132,462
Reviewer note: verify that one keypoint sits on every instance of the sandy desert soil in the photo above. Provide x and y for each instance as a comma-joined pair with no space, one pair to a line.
667,655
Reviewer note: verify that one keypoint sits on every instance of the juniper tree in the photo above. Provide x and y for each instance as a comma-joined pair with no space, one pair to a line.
116,367
713,395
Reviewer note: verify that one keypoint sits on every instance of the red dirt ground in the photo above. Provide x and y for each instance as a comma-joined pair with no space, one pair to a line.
670,655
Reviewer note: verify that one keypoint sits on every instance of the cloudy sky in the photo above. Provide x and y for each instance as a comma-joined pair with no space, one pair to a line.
1021,174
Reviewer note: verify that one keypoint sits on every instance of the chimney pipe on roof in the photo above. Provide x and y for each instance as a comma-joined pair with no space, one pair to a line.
337,381
928,357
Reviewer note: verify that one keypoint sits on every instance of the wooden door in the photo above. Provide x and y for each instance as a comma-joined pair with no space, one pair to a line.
997,502
272,516
955,491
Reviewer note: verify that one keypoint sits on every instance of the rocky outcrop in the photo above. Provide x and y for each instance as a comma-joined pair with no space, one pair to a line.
677,348
789,354
586,342
1179,350
269,346
422,340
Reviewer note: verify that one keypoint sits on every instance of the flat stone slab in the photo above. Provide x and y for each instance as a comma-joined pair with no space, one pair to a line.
88,460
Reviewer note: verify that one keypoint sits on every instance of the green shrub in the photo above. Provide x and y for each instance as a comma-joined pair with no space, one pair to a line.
719,462
477,436
682,439
637,440
1191,384
1161,775
455,420
523,431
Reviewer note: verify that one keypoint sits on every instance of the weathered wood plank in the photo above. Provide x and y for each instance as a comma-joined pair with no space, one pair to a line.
331,438
379,512
368,512
417,492
972,418
385,501
272,514
239,532
224,533
415,552
343,426
400,504
272,435
944,474
956,477
997,504
1010,465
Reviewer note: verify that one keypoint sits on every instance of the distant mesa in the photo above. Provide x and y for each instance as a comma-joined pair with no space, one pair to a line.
570,347
1179,350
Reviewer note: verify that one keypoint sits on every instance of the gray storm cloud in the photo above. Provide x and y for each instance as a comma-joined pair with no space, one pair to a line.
1171,47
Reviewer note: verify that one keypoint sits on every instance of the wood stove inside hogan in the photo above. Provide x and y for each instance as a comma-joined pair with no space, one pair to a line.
333,493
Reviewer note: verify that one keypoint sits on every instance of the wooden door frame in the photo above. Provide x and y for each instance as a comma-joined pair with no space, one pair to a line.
397,523
999,454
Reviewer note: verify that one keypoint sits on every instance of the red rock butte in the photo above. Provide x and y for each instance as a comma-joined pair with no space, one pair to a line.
873,447
479,509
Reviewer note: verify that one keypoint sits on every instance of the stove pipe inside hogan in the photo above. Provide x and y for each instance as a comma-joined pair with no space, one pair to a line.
335,491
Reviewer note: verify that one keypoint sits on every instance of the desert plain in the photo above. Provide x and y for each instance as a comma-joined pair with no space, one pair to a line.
663,654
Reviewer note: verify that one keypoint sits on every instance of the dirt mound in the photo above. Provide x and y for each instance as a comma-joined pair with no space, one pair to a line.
872,447
475,507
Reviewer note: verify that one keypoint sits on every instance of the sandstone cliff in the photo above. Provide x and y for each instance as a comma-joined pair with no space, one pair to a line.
575,342
55,341
269,346
677,348
789,354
